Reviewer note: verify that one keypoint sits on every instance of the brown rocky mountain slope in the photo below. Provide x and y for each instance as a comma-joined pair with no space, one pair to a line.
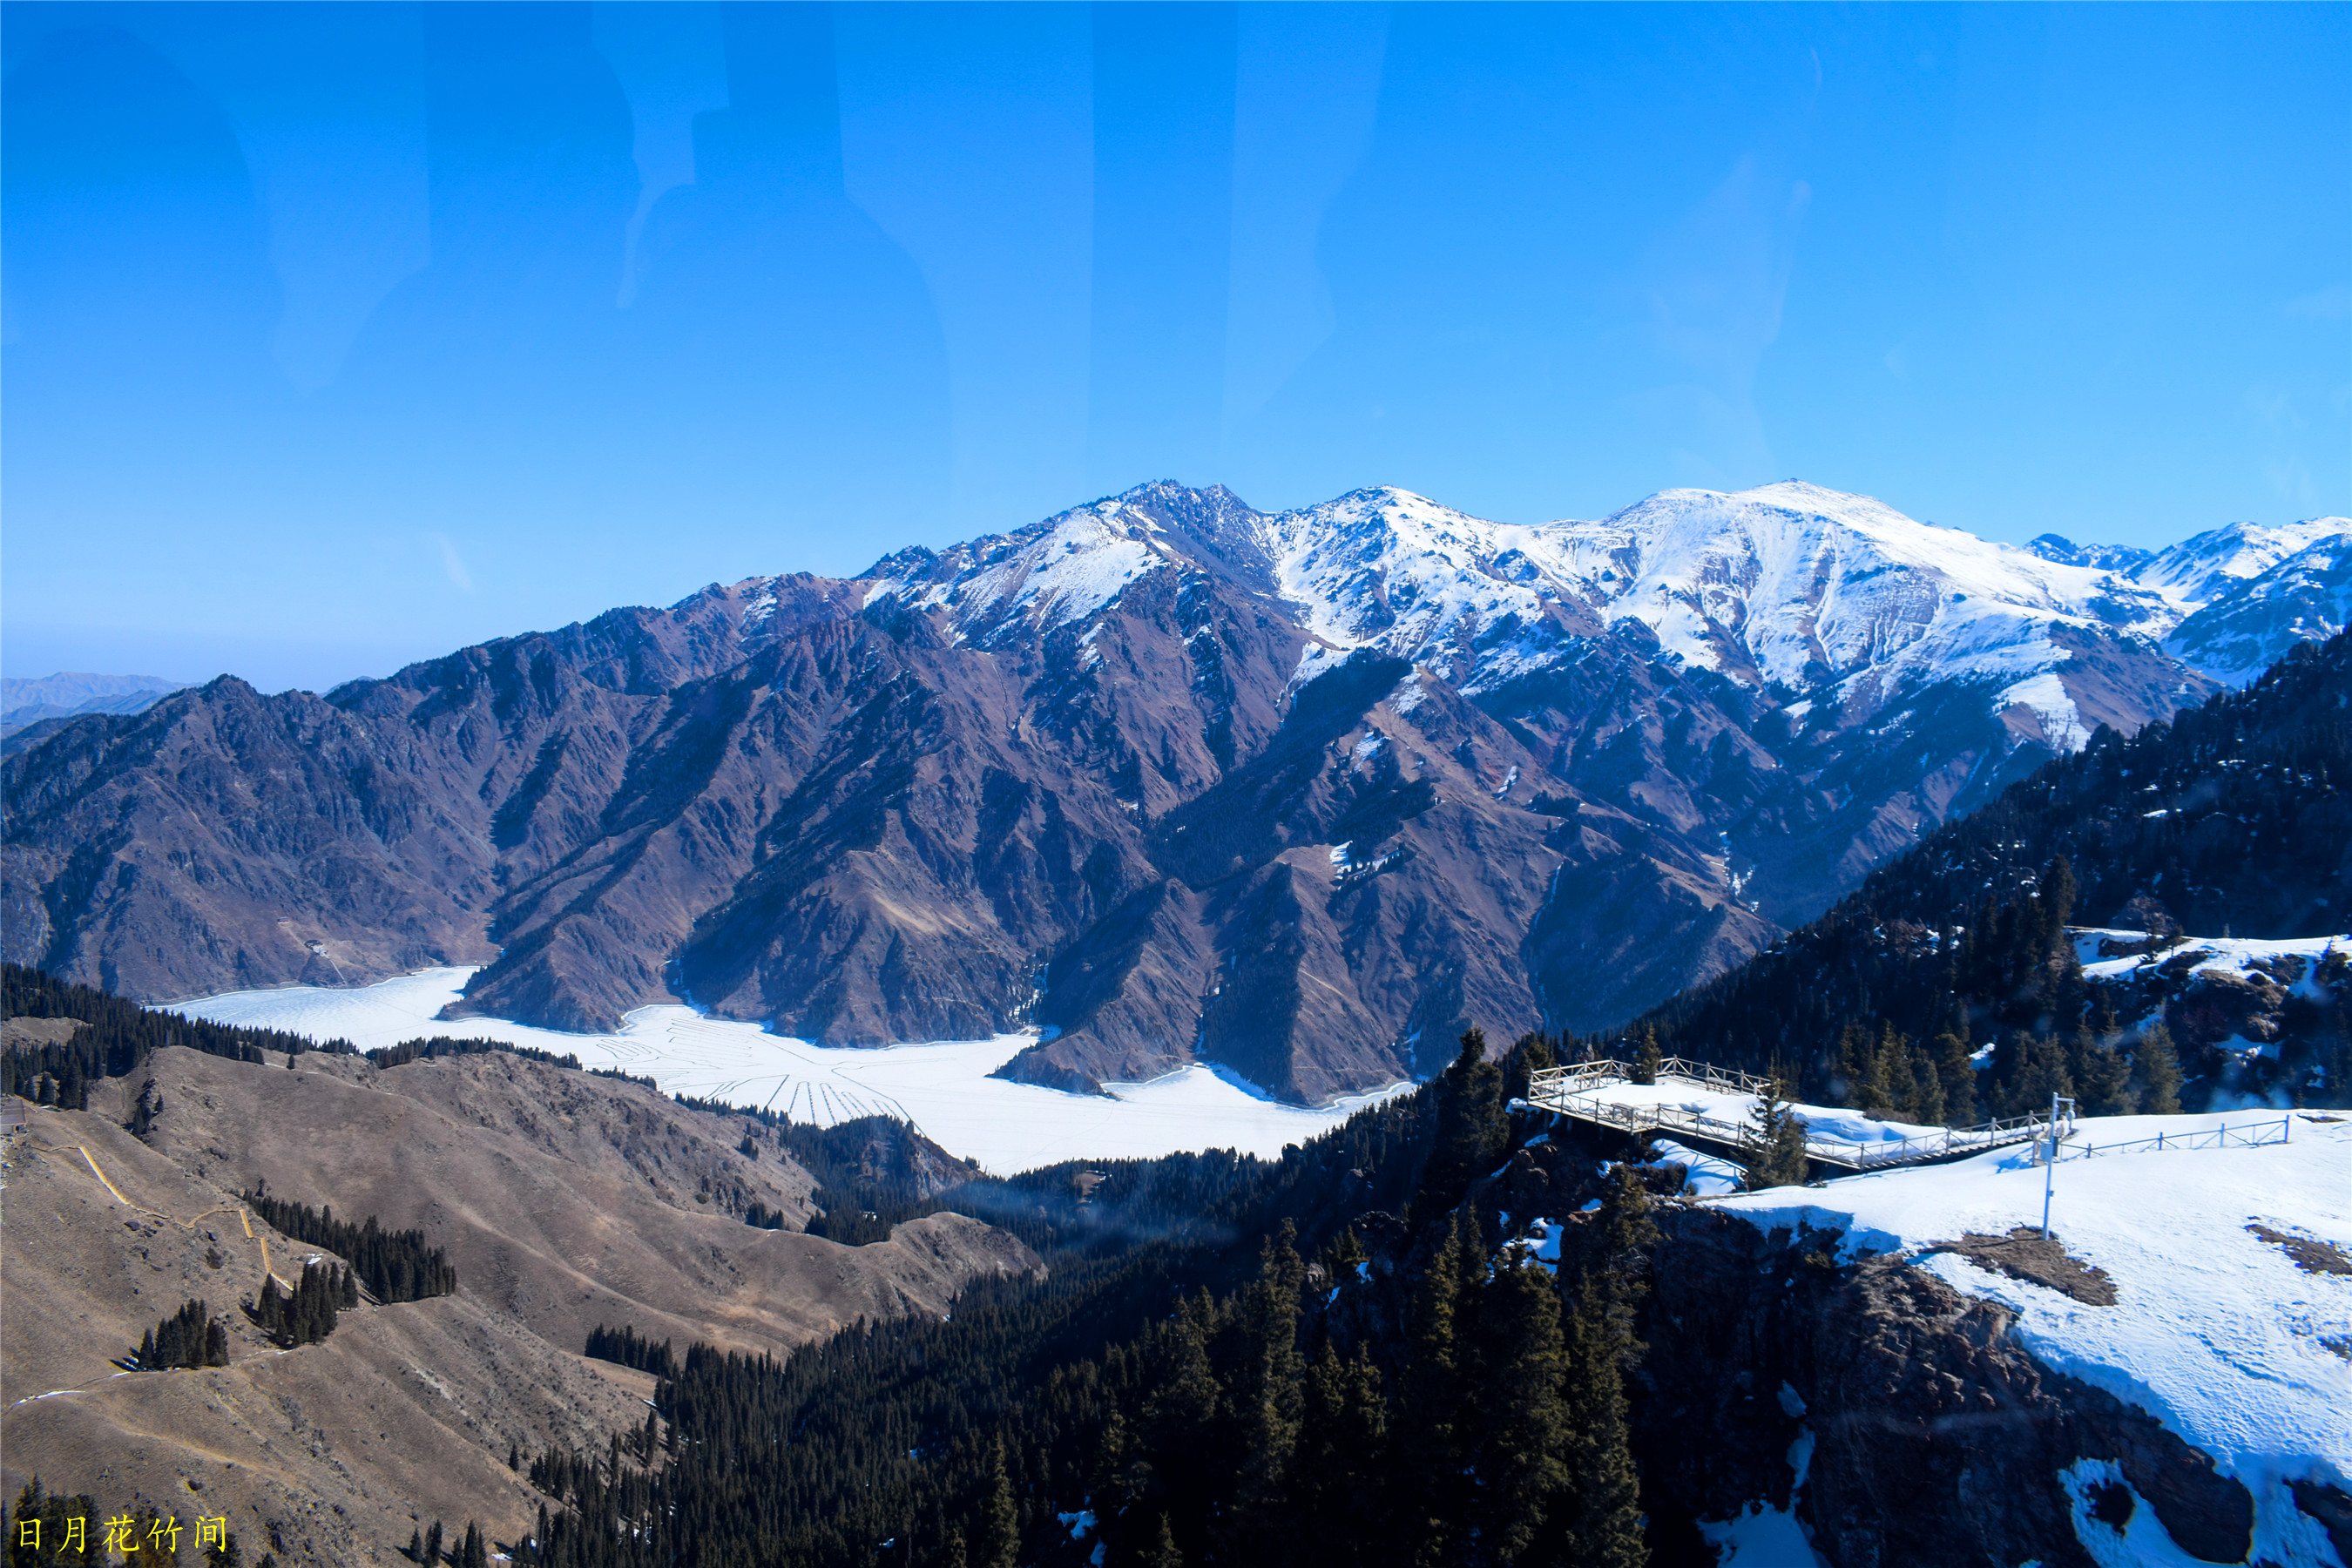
564,1200
1299,794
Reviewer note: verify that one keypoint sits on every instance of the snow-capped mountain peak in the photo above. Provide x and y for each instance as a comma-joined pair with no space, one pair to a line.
1833,603
2207,566
1791,586
1062,571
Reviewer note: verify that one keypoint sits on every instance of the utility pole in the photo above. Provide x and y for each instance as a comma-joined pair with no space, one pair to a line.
2050,1167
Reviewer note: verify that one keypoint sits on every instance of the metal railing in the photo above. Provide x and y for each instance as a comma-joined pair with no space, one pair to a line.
2251,1135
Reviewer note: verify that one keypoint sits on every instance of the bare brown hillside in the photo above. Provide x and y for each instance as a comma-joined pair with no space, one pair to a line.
564,1200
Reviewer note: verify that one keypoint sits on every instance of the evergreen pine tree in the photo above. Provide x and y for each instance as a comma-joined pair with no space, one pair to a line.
1603,1515
1532,1055
154,1549
1958,1076
1472,1129
2104,1023
1648,1058
432,1545
1185,1401
1601,1507
1616,1257
2041,1074
143,1114
2102,1076
1776,1149
2158,1068
1000,1516
1430,1484
1523,1415
1927,1104
1271,1397
269,1310
1343,1454
1160,1551
2057,901
1853,1066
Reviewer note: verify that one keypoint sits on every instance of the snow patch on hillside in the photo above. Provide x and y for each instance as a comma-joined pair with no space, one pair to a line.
2215,954
2062,721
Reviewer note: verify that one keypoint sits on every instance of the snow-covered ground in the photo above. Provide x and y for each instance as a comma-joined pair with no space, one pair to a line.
1735,1111
2222,955
1704,1175
2216,1332
942,1088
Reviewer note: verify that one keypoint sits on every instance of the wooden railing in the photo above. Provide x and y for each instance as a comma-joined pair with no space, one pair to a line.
1577,1074
1573,1091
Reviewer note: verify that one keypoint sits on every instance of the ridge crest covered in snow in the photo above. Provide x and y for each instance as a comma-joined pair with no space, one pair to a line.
1807,595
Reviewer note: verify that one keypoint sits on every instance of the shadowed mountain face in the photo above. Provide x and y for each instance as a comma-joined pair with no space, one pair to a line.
1173,779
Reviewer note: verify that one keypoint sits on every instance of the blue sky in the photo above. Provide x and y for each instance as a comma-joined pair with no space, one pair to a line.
338,336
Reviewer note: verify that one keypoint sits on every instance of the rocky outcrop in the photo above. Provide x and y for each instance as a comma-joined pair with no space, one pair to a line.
1935,1437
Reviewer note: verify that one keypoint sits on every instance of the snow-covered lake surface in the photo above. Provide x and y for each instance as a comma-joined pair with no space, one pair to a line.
942,1088
2215,1331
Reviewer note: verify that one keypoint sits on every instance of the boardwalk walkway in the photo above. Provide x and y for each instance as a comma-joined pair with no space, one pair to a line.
1584,1090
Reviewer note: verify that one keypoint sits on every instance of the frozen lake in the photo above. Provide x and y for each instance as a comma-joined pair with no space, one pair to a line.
942,1088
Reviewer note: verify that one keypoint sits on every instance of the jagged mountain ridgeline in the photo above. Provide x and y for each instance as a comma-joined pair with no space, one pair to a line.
1170,778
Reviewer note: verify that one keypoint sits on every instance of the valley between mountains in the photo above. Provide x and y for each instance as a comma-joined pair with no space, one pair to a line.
1166,778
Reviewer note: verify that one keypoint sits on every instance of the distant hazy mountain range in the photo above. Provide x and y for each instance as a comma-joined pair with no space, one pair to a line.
1299,794
71,693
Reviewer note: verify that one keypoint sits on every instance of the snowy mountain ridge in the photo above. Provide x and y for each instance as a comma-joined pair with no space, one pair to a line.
2208,567
2303,596
1815,596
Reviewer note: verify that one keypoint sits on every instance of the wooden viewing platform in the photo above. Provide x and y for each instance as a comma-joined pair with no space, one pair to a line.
1577,1091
